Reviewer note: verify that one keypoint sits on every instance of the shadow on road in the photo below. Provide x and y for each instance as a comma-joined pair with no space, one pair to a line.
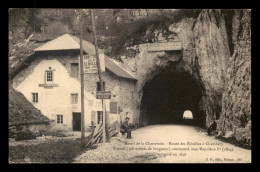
234,142
226,140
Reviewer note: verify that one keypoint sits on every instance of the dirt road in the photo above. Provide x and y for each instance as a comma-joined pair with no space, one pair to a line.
166,144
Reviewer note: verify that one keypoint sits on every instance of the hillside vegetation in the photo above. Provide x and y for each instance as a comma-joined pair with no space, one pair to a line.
117,29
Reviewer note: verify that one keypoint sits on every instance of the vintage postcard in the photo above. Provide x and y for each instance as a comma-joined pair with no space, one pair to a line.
129,86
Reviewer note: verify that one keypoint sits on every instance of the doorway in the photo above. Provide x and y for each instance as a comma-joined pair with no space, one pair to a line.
76,121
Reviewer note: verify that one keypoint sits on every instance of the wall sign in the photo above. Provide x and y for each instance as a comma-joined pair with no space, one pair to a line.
103,95
90,63
48,85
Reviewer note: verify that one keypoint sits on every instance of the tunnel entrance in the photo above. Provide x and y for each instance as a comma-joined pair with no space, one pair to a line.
168,95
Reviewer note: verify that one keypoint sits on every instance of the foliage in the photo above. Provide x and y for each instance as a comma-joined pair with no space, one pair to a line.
60,151
19,18
25,134
125,33
116,28
55,133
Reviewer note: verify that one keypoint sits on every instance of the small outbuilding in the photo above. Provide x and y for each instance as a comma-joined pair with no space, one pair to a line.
24,117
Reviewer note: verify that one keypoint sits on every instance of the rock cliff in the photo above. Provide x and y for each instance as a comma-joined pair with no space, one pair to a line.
236,99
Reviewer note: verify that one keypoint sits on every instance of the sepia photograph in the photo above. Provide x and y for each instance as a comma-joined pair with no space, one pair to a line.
129,86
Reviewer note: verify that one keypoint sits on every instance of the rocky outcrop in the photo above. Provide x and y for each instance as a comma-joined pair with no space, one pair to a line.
236,102
212,50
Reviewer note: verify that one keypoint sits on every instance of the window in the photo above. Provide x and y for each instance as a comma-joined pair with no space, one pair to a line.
74,98
35,97
99,117
59,119
99,86
49,76
74,70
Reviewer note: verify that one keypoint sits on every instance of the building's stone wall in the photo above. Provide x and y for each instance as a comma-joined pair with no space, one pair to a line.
122,91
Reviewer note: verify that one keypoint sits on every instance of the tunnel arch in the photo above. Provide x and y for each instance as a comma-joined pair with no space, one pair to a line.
168,94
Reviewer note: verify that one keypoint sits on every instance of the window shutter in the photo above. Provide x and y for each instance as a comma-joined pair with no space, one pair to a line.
113,107
74,70
99,86
93,116
99,117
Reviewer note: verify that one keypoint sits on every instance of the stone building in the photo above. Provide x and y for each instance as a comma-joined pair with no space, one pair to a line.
50,79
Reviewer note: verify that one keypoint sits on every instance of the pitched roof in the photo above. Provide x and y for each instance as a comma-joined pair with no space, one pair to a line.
117,69
88,47
20,66
21,111
64,42
70,42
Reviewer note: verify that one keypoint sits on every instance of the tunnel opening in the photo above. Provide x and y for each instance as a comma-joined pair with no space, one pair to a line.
168,95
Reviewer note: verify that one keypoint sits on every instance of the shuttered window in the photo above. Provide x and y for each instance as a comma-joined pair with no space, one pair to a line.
99,117
99,86
74,70
113,107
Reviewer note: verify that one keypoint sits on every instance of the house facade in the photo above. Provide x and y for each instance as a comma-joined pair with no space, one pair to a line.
50,79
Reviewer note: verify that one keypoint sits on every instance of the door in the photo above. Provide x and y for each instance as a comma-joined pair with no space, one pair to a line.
76,121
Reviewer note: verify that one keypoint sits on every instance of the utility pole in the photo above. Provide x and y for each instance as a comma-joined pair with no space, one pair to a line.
82,89
104,123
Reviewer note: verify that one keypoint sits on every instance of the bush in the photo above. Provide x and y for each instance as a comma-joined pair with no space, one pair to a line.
56,133
60,151
12,132
24,135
